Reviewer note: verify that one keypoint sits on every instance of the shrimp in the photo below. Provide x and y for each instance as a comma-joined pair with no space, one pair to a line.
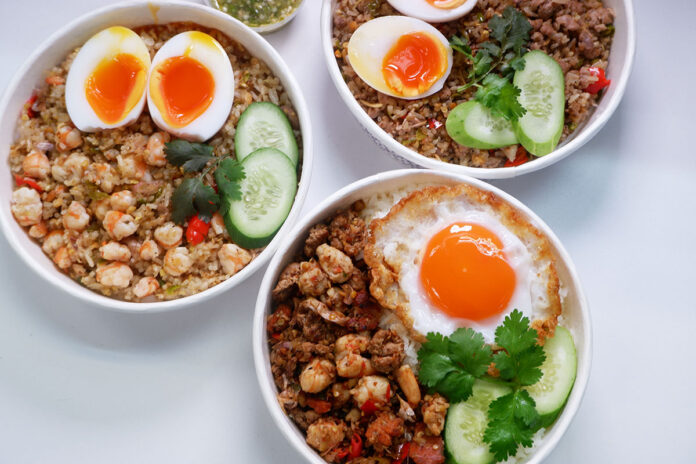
325,433
36,165
62,258
177,261
217,223
154,153
409,385
149,250
349,362
317,375
67,138
119,225
132,167
38,230
312,280
102,175
146,287
122,201
374,388
169,235
114,275
76,217
53,241
233,258
100,208
26,206
336,264
114,251
70,169
434,411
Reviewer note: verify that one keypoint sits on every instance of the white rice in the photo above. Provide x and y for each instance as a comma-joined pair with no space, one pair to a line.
391,321
379,204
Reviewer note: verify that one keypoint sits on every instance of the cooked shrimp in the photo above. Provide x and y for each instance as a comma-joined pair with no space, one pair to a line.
312,280
154,153
349,362
54,240
132,167
38,230
102,175
374,388
325,433
114,275
70,169
26,206
76,217
146,287
317,375
233,258
36,165
149,250
101,207
62,258
322,310
119,225
177,261
114,251
337,265
169,235
409,385
383,429
67,138
217,223
434,411
122,200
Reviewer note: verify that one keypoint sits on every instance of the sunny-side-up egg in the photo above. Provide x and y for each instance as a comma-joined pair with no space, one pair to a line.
400,56
106,84
191,86
434,11
450,257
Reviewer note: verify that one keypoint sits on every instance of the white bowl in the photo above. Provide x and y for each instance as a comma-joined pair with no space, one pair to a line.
266,28
74,34
576,314
619,70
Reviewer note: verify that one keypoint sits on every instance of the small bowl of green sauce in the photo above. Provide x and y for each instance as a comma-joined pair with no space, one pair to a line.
261,15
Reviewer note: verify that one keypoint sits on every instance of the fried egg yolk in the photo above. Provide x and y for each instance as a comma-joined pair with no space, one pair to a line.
186,89
415,62
465,274
115,86
446,4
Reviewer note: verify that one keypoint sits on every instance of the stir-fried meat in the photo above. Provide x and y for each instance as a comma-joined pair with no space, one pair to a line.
387,350
287,283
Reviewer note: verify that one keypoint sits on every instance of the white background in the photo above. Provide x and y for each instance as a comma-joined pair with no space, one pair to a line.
82,385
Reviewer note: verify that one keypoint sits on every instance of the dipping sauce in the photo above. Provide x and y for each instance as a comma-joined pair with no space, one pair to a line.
255,13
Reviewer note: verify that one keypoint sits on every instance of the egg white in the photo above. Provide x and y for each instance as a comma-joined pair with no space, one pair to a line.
211,55
103,45
372,41
423,10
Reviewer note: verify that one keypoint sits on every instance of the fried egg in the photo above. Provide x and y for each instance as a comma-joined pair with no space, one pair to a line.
106,84
191,86
434,11
400,56
449,257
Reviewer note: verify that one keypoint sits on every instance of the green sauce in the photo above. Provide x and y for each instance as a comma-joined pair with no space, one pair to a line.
257,13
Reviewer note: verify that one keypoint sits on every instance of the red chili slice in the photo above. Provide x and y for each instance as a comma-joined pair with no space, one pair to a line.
356,446
197,230
319,406
434,123
521,157
369,407
601,82
28,105
403,453
28,182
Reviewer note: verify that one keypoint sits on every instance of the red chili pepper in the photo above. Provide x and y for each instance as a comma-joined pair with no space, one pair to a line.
601,83
319,406
356,446
29,103
434,123
388,391
197,230
368,407
520,158
403,453
342,453
275,336
28,182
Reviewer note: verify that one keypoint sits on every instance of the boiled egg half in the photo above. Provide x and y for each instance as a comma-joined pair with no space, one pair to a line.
400,56
434,11
106,84
191,86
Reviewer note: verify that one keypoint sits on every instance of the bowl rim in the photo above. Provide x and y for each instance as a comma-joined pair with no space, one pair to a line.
321,212
415,159
291,86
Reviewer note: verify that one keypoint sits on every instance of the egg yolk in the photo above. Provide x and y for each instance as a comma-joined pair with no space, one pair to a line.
182,89
446,4
115,87
465,273
415,62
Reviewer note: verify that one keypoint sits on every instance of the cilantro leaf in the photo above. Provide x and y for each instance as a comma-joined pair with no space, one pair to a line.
450,365
522,359
189,155
192,197
512,421
227,176
498,94
461,45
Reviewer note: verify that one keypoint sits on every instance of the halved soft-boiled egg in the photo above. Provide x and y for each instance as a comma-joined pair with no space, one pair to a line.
449,257
106,84
434,11
191,86
400,56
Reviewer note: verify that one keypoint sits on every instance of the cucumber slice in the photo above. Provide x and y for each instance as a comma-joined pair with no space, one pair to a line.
467,421
542,87
471,124
268,192
264,125
558,376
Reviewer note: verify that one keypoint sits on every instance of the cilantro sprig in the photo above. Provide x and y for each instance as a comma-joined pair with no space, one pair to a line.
494,62
193,196
450,366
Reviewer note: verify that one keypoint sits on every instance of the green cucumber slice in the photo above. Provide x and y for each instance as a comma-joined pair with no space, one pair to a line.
542,87
558,376
268,192
467,421
264,125
471,124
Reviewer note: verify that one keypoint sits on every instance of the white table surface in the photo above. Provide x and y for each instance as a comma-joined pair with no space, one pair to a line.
82,385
